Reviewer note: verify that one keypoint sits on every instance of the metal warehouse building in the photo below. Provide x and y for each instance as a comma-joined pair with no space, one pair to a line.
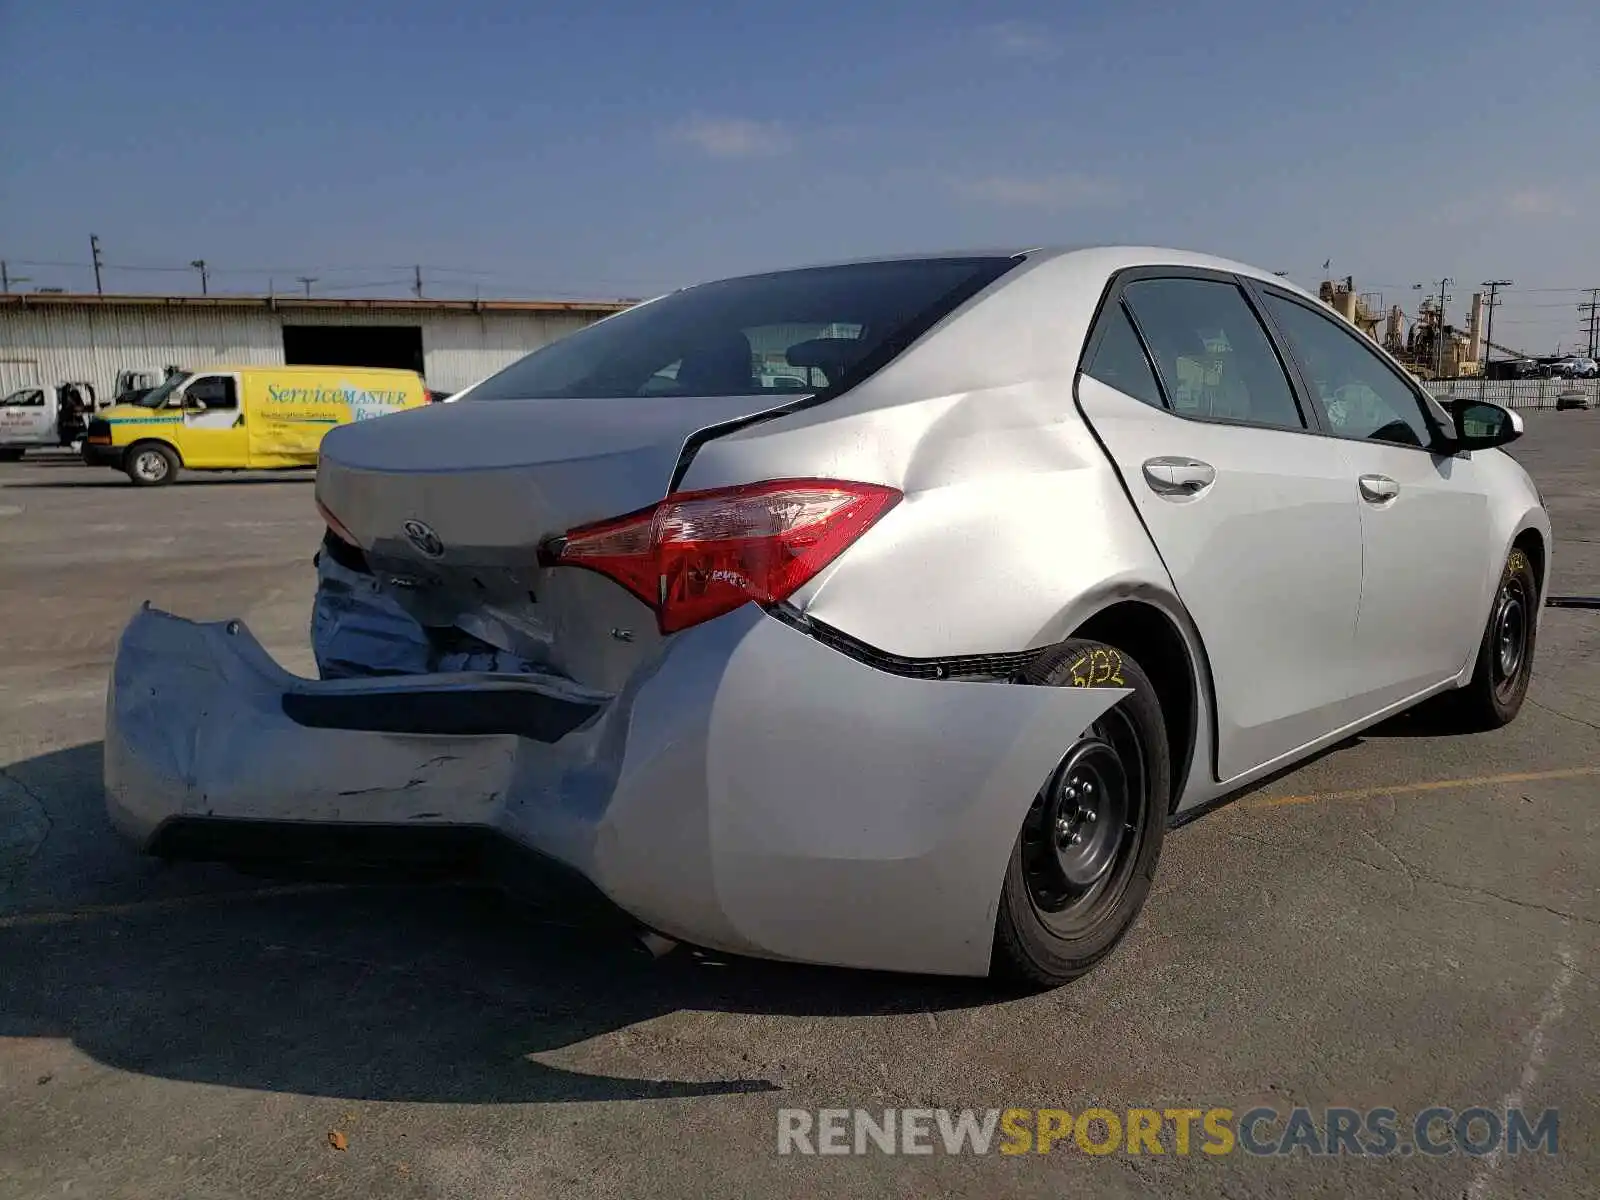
51,338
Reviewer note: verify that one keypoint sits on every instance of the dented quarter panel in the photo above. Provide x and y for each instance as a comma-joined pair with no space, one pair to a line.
1013,517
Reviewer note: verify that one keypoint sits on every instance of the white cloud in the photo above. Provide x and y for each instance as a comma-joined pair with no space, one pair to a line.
733,137
1022,39
1541,202
1051,191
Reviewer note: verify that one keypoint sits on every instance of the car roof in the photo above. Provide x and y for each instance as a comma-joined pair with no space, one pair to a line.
1093,257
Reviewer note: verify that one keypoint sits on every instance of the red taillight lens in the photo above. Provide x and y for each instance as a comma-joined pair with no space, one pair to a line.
697,555
337,526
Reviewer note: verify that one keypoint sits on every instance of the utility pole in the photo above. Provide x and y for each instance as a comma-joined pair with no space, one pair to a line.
94,250
1494,286
199,264
1438,340
416,286
1593,309
307,281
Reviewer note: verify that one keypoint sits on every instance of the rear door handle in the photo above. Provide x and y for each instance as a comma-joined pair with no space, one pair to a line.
1378,488
1178,476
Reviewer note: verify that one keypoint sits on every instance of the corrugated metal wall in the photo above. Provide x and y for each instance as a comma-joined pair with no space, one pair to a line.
462,348
49,344
93,344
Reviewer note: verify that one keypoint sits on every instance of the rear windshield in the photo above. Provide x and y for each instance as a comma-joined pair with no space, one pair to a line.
815,330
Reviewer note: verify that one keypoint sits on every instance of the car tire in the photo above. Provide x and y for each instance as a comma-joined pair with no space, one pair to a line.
1103,809
12,454
1504,664
150,464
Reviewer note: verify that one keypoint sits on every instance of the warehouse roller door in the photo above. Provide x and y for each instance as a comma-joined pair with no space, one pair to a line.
353,346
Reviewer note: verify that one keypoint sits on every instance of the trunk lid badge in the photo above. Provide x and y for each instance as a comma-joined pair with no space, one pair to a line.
423,538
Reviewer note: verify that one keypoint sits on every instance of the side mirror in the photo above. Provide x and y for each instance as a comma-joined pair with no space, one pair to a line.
1482,426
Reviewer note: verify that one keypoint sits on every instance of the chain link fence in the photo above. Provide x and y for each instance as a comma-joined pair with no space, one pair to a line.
1516,393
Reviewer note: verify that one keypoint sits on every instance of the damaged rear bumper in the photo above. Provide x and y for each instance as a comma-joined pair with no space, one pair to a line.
750,789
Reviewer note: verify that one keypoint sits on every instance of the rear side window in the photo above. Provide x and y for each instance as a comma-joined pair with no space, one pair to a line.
816,330
1213,354
1120,361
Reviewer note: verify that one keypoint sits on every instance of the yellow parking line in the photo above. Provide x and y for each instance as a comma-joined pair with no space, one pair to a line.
90,911
1431,785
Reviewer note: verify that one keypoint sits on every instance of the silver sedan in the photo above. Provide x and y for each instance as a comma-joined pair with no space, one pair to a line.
878,614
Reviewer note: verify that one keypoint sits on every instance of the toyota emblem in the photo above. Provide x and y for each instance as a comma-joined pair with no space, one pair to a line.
423,538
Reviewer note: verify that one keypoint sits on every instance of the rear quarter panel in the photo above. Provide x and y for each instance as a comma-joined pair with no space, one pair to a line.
1014,527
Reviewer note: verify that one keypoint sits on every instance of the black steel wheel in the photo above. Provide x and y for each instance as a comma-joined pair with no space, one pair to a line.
1087,851
1505,656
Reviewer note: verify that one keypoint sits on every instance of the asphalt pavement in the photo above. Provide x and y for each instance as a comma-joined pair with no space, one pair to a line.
1409,921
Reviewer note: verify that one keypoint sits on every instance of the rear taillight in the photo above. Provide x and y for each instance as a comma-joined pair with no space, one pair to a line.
336,527
697,555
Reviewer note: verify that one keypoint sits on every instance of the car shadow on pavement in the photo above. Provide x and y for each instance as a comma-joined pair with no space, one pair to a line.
376,992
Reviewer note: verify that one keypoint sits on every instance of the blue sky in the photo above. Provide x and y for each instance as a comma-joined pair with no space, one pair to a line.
617,147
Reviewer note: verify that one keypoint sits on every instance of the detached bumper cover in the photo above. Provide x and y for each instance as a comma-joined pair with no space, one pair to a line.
750,790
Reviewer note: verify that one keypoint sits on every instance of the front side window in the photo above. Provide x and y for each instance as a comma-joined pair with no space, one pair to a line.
1361,395
1120,361
24,398
815,330
214,392
1214,357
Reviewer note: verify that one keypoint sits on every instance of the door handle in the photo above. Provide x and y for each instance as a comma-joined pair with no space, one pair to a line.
1378,488
1179,476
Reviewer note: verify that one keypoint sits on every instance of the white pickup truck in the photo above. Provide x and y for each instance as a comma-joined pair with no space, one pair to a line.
35,416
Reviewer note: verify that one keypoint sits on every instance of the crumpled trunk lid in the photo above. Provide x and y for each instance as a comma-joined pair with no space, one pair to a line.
451,504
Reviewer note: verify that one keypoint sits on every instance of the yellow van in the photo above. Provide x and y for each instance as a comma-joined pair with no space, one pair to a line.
241,418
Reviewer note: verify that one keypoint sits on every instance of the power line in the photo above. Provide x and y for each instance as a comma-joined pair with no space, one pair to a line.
1526,307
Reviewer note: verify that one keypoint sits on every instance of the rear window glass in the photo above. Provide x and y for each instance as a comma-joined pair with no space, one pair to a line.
813,330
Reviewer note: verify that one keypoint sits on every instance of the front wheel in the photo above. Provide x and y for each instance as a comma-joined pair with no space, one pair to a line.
12,454
1504,665
150,464
1086,856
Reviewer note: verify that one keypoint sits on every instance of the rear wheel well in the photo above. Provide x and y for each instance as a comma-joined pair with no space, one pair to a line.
1154,642
1531,543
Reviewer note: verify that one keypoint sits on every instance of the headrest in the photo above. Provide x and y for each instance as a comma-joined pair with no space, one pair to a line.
833,356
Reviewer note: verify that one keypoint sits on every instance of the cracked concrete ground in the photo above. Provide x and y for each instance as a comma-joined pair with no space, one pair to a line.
1369,930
